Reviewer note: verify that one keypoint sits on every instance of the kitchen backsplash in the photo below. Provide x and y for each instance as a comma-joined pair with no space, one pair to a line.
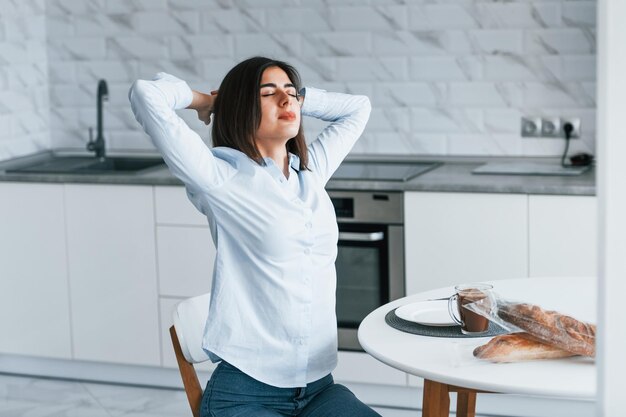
444,76
24,109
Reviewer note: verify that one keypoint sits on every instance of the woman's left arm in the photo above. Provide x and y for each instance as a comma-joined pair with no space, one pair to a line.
348,115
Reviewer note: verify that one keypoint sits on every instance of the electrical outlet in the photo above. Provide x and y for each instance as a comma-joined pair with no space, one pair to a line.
531,127
550,127
575,123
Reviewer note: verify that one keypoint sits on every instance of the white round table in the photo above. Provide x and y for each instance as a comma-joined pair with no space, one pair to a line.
447,364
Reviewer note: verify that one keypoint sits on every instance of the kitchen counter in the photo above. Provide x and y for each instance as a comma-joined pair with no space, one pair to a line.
454,175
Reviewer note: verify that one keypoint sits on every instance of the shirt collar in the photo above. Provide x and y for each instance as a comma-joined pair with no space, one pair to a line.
294,162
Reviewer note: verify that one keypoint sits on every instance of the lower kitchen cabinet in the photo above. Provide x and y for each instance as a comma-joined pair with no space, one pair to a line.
173,207
362,368
458,237
166,311
452,238
562,235
112,270
185,253
34,304
185,249
185,258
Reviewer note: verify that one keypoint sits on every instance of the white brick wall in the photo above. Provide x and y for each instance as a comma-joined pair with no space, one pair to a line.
24,108
445,77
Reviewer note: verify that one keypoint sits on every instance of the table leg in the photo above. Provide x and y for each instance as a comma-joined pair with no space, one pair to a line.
466,404
436,401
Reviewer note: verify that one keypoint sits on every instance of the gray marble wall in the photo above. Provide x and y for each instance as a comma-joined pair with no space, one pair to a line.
24,109
445,76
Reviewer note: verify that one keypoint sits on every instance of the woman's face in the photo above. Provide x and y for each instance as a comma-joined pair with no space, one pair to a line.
280,109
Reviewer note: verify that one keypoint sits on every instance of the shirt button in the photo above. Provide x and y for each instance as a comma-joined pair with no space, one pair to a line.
307,251
308,225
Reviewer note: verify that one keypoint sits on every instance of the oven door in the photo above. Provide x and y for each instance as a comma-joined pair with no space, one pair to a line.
362,277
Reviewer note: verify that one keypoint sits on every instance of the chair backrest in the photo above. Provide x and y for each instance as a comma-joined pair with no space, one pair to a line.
189,320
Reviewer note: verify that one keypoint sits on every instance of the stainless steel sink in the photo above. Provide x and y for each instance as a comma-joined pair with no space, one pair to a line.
89,165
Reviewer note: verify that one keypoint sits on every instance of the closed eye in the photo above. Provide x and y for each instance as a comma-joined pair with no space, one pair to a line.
272,94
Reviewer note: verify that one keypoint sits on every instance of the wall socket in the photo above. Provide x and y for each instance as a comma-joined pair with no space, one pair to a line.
531,127
575,124
548,127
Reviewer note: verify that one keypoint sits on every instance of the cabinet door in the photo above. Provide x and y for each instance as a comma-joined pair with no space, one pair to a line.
173,207
562,235
453,238
361,367
111,248
185,250
34,305
185,257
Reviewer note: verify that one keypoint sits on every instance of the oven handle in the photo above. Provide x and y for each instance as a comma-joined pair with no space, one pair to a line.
362,237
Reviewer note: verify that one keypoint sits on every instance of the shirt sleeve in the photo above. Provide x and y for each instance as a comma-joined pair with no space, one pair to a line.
348,115
187,156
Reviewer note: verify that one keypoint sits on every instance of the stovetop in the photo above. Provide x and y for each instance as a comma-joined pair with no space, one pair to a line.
382,171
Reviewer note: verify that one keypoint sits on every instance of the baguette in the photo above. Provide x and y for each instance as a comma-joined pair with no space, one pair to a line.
518,347
559,330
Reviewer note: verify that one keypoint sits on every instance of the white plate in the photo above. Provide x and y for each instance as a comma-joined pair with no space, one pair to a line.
429,313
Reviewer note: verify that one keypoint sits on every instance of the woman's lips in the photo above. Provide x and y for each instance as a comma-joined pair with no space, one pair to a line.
287,116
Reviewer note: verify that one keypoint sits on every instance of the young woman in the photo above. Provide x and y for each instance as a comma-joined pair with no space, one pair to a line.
271,320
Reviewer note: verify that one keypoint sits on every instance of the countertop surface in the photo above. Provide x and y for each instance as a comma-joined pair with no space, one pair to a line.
453,175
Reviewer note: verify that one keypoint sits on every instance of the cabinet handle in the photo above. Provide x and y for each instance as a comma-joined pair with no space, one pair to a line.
362,237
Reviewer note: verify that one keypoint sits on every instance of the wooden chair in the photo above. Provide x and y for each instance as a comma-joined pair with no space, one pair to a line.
189,320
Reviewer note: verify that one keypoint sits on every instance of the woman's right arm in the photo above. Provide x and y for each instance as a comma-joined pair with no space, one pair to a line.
188,158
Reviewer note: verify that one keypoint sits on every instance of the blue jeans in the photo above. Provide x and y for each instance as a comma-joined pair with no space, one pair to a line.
231,393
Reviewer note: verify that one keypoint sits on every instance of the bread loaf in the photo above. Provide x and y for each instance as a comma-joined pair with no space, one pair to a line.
518,347
550,327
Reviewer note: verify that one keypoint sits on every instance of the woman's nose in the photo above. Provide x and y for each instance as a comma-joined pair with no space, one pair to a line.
283,98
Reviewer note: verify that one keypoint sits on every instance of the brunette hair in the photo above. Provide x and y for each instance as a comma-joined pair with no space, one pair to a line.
237,109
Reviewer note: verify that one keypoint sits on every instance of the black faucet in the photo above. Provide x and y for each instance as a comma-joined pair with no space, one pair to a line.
98,144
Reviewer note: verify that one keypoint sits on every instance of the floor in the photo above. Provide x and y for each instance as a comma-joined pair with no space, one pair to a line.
22,396
38,397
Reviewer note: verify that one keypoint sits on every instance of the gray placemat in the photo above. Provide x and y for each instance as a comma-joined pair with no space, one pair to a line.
436,331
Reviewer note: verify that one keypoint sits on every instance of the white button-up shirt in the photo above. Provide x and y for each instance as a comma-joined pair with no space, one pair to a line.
272,311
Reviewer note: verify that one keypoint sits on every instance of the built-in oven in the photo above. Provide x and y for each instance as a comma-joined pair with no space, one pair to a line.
370,258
